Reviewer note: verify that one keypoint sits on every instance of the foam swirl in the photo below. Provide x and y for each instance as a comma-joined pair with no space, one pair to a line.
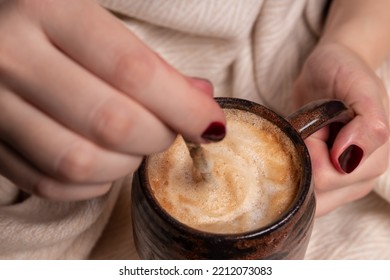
254,178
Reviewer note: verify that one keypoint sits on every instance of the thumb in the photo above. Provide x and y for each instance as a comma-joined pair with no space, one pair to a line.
357,140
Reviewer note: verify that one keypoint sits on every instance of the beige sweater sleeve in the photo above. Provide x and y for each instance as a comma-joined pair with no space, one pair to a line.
35,228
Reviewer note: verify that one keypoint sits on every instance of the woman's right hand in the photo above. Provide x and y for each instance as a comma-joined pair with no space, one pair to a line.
82,99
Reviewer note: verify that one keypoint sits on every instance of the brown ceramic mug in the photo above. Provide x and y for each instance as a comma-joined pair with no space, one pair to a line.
281,230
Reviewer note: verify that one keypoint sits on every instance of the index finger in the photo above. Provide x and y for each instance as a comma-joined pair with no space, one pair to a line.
99,42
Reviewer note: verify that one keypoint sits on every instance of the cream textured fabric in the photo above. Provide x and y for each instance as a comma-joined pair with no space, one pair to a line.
251,49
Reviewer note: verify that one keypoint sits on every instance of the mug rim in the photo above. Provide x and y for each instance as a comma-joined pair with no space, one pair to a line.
299,200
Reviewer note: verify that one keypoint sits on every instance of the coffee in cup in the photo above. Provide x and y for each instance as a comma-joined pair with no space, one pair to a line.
253,180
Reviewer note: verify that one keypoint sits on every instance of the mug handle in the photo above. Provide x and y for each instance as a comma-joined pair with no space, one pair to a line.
317,114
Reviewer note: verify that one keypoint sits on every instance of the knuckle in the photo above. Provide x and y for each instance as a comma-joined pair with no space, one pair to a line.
321,184
320,178
133,70
56,191
382,170
362,191
30,6
110,126
99,190
41,187
165,143
381,167
7,55
37,5
77,163
381,131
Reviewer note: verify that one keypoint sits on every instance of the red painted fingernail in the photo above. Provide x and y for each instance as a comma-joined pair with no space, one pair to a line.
215,132
350,158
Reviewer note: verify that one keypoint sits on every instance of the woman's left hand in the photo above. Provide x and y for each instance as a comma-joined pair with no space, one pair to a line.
346,169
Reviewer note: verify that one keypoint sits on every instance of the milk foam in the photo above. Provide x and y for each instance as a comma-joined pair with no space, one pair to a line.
254,178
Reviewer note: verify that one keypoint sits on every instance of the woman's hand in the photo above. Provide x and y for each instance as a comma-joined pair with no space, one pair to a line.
82,99
345,166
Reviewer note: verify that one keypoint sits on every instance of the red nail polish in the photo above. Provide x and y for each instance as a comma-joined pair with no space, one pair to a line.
350,158
215,132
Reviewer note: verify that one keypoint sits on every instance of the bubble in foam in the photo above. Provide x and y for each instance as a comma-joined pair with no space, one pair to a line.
254,178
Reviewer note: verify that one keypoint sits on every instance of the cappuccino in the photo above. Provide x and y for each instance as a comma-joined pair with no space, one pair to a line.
254,178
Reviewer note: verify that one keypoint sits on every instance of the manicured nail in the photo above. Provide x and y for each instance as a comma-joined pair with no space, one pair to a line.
350,158
215,132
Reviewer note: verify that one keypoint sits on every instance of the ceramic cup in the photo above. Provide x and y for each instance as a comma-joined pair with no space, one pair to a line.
157,235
